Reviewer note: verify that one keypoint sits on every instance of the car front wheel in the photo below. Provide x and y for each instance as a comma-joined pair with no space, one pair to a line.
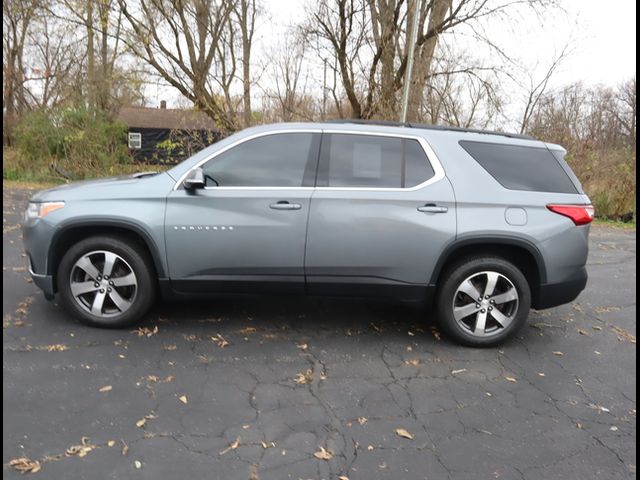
483,301
106,282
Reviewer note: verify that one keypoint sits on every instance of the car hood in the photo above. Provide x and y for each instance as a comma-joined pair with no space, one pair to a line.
134,185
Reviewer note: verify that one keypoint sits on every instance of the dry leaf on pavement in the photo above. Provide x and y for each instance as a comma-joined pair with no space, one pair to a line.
304,378
323,454
140,423
558,354
232,446
137,464
511,379
220,340
403,433
106,388
183,399
25,465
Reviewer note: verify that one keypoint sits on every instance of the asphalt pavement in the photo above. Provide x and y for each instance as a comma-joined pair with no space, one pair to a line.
305,388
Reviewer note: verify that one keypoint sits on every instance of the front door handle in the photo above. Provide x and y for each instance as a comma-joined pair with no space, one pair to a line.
284,205
432,208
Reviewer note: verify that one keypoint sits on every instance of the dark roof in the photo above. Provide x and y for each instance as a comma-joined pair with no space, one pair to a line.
166,118
388,123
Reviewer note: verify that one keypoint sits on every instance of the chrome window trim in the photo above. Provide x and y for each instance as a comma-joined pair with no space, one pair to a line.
429,152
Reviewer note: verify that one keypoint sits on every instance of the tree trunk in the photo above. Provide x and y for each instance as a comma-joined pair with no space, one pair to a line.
91,67
422,68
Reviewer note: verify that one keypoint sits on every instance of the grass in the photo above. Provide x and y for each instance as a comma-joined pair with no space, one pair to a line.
605,222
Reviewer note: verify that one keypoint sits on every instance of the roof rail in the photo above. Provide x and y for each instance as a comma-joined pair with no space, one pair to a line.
389,123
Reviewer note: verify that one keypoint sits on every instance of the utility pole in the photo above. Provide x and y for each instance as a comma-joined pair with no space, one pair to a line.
411,50
324,91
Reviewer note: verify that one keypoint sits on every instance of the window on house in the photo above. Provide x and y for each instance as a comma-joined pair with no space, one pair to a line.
135,140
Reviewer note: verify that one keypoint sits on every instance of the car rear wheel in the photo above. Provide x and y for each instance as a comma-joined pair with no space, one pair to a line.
106,282
483,301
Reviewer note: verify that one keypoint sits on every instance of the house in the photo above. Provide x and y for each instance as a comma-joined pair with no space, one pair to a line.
167,135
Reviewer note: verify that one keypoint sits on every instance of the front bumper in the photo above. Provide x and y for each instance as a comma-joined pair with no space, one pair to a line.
554,294
44,283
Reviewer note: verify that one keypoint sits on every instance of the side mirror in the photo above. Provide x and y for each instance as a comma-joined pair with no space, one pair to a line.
194,180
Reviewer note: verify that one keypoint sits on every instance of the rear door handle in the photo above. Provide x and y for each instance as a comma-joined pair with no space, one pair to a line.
432,208
284,205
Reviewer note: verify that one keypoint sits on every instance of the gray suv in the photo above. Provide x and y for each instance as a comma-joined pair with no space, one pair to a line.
480,225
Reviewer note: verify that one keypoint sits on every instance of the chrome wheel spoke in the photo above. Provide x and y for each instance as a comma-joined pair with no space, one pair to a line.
125,281
492,280
481,323
500,317
468,288
80,288
89,268
119,302
109,261
508,296
463,312
98,302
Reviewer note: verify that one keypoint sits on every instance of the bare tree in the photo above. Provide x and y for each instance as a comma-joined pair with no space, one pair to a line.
537,87
17,16
179,40
246,12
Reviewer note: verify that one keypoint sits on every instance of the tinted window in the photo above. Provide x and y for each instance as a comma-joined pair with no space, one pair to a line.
521,168
371,161
271,161
418,169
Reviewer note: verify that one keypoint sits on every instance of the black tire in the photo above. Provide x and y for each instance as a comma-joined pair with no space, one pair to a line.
136,259
454,277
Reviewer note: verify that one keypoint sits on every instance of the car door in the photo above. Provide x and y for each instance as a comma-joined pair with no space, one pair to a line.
380,216
246,229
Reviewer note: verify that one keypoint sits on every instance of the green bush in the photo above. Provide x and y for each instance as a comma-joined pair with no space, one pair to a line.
74,142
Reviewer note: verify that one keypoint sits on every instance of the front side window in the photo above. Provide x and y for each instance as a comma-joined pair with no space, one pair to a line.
362,161
279,160
135,140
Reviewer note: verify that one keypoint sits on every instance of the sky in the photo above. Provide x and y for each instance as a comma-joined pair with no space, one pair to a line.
601,36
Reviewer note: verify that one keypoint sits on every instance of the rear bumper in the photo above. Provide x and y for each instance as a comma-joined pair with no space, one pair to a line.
44,283
554,294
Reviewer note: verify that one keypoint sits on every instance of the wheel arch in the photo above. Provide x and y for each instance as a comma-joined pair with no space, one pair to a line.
72,233
521,252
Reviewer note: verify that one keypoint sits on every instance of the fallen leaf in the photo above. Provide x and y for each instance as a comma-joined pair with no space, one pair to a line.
411,334
304,378
183,399
583,332
125,448
248,330
106,388
266,445
323,454
137,464
231,446
579,426
140,423
623,334
362,420
455,372
25,465
541,374
80,450
597,352
614,428
414,362
558,354
369,447
597,327
53,348
409,348
169,348
302,346
145,331
343,477
511,379
111,443
403,433
220,341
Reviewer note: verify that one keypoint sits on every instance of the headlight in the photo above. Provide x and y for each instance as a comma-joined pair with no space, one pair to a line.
39,210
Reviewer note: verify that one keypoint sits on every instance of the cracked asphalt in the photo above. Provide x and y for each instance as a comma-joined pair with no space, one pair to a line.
558,402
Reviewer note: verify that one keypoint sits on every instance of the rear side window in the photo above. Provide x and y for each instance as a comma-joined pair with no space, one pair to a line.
521,168
372,161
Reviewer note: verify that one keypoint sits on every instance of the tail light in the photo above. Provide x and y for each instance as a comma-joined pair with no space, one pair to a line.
580,214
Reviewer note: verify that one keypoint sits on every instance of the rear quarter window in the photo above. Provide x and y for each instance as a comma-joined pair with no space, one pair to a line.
518,167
